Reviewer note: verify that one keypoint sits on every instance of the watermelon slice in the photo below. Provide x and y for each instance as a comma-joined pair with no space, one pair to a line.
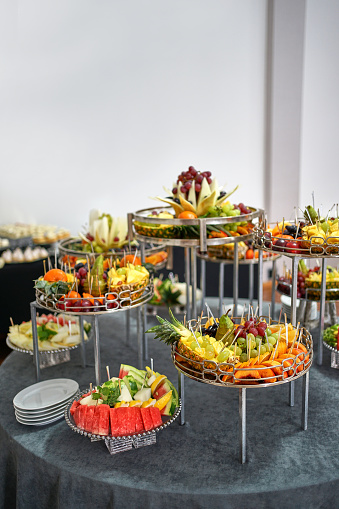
82,416
174,401
155,416
104,419
114,420
96,419
146,418
88,426
75,404
123,418
138,423
76,415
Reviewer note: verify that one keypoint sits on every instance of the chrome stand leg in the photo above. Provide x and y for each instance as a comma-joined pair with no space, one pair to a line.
221,287
250,282
260,281
235,279
139,337
203,282
35,341
194,281
242,416
187,280
97,363
322,311
295,261
181,388
128,325
291,393
274,274
304,415
144,328
83,350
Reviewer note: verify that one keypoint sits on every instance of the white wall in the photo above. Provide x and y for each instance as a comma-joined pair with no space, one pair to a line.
104,102
320,125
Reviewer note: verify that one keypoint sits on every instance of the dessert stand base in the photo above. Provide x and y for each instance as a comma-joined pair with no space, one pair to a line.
52,359
115,445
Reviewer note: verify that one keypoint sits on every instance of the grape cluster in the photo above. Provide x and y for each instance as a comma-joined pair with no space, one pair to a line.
186,178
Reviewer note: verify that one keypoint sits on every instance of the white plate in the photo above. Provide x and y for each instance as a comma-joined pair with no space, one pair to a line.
42,418
45,395
40,413
40,423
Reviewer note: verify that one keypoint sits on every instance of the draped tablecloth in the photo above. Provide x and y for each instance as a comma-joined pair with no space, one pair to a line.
195,465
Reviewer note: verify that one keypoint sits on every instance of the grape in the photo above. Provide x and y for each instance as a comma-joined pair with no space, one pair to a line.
254,353
258,340
188,185
269,347
205,343
209,180
86,305
194,345
261,331
223,356
241,341
183,189
174,190
183,173
253,330
112,305
82,272
76,306
104,276
197,188
272,340
238,351
251,337
199,178
268,331
263,325
263,349
243,357
247,324
275,335
97,306
209,352
208,173
192,170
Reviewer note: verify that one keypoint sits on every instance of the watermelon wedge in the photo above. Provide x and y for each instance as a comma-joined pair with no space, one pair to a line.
75,404
76,415
146,418
138,423
89,419
82,416
155,416
104,419
96,419
114,420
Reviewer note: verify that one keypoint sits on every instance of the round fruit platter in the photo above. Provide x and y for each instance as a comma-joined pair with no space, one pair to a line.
122,288
257,352
215,258
126,411
298,238
71,252
151,223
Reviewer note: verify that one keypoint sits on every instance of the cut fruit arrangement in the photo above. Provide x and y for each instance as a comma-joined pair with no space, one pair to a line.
330,336
95,290
309,282
313,235
136,402
54,333
197,195
250,350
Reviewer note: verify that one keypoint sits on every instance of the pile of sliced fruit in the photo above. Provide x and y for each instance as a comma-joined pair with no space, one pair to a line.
222,345
93,288
54,332
330,336
130,404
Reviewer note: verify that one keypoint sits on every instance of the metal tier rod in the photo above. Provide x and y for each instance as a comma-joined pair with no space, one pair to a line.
322,311
82,339
35,341
96,344
242,422
181,390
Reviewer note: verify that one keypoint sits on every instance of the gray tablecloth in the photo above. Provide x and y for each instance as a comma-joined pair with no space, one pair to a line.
196,465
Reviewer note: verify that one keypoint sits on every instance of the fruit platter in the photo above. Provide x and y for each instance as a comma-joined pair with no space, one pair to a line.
313,235
97,287
198,208
331,342
309,282
126,411
55,334
246,352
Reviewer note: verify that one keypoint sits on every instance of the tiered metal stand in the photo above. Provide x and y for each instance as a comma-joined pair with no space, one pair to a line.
124,303
236,263
212,373
144,221
317,249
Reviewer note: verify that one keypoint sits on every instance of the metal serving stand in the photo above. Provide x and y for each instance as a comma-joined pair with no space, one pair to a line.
124,301
190,245
123,443
315,248
211,372
236,263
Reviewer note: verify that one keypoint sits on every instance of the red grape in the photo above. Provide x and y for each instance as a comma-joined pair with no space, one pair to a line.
197,188
82,272
174,190
199,178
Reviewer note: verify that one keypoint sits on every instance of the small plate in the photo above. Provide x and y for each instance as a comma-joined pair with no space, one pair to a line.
46,395
39,423
41,413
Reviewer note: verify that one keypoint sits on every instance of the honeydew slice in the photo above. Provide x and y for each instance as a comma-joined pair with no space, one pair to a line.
205,204
177,208
187,205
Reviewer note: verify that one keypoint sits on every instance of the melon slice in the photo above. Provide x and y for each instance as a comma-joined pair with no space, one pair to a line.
89,419
95,422
156,416
103,419
138,422
146,418
114,422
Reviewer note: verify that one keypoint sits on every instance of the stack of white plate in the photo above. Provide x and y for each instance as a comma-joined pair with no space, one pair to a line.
44,402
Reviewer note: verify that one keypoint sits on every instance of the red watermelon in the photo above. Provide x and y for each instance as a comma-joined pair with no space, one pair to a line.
89,419
156,416
82,415
146,418
76,415
104,419
114,420
96,418
138,424
75,404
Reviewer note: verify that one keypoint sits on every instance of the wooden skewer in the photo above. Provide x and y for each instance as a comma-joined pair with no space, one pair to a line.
280,316
286,329
108,375
11,320
258,352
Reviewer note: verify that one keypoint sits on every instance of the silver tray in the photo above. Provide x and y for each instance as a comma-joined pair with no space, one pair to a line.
120,444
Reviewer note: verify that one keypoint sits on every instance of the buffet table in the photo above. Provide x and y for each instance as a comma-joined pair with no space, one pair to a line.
195,465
